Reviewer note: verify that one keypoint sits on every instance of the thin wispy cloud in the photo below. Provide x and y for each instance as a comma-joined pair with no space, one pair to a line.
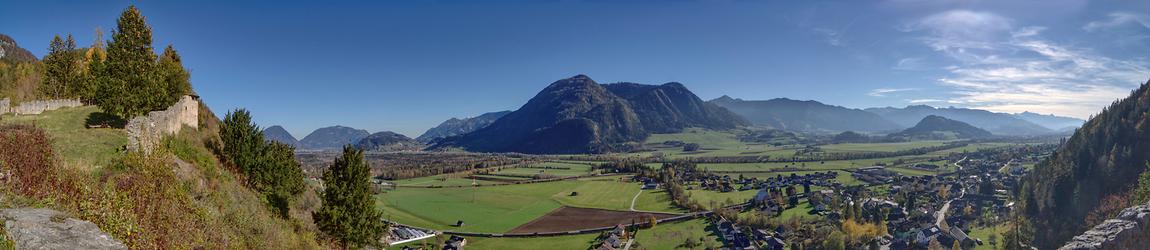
909,63
882,92
920,101
1118,19
1000,67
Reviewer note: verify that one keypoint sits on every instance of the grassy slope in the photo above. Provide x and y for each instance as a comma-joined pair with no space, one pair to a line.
73,143
207,204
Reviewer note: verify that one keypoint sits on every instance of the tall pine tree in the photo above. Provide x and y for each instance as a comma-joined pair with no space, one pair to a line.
62,69
93,65
349,213
129,84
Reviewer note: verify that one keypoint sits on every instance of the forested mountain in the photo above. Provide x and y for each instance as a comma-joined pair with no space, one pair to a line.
455,126
933,127
332,138
279,134
388,141
10,50
670,107
1053,122
1102,159
997,123
578,115
795,115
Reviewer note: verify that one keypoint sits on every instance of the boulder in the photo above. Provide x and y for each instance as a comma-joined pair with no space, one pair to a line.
39,228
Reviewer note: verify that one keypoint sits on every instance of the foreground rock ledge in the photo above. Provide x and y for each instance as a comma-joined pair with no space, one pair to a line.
1130,230
38,228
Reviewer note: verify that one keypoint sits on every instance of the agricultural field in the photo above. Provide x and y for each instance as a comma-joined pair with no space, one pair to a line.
441,180
497,209
671,235
579,241
557,169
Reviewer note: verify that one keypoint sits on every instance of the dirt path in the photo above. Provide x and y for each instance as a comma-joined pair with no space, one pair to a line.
635,199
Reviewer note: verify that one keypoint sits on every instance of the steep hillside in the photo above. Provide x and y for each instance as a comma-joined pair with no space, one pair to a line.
997,123
387,141
454,126
179,197
279,134
332,138
573,115
670,107
1052,122
933,127
9,50
1103,158
782,113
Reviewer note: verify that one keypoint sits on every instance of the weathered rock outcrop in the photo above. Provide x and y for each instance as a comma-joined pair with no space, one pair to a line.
144,132
36,107
39,228
1130,230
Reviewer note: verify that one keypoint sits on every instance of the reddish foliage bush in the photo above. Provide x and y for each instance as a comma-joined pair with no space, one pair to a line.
27,163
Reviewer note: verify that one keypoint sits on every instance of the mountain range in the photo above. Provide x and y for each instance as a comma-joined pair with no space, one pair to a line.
578,115
332,138
997,123
454,126
1053,122
811,116
933,127
279,134
388,141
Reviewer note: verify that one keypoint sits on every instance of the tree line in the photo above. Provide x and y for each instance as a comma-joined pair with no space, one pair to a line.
125,78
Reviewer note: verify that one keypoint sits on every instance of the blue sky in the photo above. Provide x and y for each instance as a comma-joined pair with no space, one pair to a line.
405,66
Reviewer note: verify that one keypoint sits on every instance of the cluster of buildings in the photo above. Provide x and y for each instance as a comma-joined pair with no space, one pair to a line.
614,239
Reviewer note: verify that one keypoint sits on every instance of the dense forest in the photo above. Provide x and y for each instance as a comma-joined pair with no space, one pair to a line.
1064,195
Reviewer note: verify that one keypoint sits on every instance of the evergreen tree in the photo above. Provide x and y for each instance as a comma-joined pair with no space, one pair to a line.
129,84
1142,192
281,178
242,140
175,77
348,213
270,167
62,69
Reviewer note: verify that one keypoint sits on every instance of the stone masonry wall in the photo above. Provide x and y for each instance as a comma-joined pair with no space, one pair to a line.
1130,230
145,132
36,107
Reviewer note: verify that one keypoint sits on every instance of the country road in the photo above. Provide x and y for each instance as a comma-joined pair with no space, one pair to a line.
635,199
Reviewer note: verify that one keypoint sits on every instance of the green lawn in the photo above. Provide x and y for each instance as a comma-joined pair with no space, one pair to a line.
801,211
671,235
656,200
499,209
985,232
73,142
705,197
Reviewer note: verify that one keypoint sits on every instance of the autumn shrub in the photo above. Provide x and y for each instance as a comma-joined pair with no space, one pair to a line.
28,163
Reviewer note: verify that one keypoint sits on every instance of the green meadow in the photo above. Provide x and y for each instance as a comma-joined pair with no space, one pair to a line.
497,209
